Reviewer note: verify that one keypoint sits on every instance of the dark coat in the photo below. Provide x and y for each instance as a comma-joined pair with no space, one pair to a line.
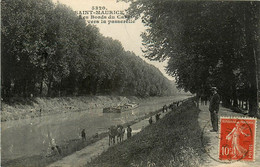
129,132
214,103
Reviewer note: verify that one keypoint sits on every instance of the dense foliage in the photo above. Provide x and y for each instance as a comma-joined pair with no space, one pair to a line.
47,50
207,44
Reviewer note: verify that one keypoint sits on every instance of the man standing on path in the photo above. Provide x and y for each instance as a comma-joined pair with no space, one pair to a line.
129,131
214,108
150,120
83,135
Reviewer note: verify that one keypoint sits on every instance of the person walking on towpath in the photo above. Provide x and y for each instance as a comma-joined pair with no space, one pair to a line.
214,108
54,146
164,108
129,131
150,120
83,135
157,117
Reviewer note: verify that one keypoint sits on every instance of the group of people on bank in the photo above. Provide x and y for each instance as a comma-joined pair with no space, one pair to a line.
116,133
157,117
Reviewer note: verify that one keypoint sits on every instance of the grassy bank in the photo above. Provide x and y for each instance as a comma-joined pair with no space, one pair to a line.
173,141
35,107
20,108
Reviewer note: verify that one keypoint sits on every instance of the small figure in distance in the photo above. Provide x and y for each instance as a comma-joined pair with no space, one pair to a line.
40,111
129,131
150,120
54,146
96,135
83,135
165,108
157,116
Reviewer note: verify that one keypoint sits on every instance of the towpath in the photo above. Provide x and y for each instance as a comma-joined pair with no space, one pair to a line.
82,157
211,157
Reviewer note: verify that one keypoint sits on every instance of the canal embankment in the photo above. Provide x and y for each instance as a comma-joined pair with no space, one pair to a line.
172,141
36,133
20,108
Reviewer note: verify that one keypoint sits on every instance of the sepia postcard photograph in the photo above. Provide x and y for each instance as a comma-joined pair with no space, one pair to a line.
130,83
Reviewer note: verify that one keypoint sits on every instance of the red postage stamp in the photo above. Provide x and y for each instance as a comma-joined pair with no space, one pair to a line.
237,139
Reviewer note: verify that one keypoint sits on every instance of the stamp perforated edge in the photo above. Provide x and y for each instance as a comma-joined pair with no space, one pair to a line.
242,118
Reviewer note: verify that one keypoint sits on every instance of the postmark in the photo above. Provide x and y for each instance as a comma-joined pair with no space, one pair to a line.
237,139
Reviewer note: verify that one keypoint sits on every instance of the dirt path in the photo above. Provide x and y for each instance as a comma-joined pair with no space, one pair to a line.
82,157
212,150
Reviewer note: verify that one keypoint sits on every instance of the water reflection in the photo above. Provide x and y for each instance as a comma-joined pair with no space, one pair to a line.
33,136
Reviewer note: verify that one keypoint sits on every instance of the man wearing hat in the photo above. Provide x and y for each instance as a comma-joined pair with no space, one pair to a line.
214,108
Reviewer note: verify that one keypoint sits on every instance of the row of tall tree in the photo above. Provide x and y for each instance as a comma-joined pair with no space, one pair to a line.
207,44
47,50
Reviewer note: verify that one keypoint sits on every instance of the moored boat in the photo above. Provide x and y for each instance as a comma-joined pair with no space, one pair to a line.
119,109
111,110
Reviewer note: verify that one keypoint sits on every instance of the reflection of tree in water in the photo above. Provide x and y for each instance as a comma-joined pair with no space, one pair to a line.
237,149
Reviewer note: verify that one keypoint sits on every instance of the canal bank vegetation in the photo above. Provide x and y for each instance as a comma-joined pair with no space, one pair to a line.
35,107
173,141
22,108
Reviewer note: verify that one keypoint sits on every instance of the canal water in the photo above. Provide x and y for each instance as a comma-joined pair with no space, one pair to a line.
28,137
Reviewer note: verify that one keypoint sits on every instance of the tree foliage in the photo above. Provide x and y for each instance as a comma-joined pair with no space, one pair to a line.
47,50
207,44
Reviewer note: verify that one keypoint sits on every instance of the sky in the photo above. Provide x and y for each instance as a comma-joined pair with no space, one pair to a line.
127,33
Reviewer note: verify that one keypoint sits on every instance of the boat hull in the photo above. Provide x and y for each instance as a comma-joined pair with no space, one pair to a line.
111,110
119,109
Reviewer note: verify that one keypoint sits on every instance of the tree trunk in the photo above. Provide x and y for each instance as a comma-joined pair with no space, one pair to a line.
198,99
41,88
257,86
60,86
49,87
226,101
250,32
235,102
42,80
253,106
25,88
246,105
